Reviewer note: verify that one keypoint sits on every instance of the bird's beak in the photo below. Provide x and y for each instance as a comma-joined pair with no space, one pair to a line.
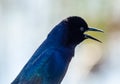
94,29
90,37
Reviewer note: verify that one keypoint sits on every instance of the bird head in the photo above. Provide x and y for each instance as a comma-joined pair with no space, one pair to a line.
76,29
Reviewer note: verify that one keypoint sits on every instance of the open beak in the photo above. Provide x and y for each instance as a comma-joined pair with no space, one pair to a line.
94,29
90,37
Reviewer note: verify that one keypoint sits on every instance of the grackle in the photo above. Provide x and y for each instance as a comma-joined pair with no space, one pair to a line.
50,62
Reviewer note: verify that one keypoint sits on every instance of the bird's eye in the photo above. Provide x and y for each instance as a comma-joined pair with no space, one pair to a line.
81,28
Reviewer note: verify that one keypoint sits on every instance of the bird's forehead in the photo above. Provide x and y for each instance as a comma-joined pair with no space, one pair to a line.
76,21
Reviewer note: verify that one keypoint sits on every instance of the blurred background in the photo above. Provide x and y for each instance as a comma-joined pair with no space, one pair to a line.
24,24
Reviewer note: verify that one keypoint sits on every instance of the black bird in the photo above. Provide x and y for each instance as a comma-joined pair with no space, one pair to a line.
50,62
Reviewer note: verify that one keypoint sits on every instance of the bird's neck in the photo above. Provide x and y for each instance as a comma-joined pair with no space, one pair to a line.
58,35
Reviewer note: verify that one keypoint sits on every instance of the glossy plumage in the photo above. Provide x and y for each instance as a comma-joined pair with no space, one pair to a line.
49,63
